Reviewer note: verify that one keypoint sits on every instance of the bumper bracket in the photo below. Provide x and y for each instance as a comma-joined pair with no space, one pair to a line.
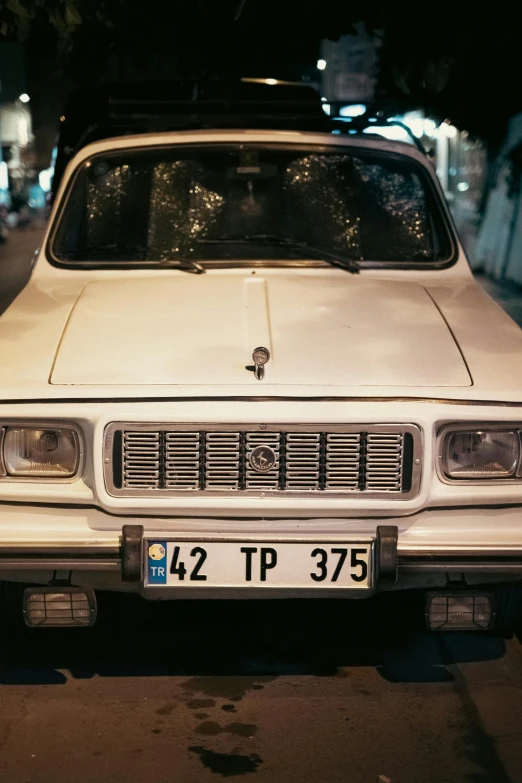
387,561
131,549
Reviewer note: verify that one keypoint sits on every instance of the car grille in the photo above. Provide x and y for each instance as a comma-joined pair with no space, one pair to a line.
147,459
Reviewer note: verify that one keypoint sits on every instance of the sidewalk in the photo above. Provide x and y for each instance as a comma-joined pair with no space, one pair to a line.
508,295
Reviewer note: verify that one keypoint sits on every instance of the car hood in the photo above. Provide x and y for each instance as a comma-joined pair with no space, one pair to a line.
201,330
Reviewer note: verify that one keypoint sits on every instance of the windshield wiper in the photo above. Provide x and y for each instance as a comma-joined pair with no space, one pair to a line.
332,258
185,264
115,251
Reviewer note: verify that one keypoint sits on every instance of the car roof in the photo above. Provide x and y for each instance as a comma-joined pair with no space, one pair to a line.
241,135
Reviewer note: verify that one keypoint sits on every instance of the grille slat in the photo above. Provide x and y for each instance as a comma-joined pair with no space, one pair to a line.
384,457
141,460
319,461
181,464
303,460
222,464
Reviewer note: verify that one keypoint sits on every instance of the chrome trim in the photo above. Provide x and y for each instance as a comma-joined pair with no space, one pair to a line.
460,567
94,549
60,563
49,424
223,442
514,478
362,146
255,398
2,464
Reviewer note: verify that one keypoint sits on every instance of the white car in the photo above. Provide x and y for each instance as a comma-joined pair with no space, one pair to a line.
255,364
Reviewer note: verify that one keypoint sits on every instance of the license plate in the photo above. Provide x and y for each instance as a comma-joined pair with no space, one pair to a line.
258,564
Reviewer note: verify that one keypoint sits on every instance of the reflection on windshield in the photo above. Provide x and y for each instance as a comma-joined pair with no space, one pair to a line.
167,205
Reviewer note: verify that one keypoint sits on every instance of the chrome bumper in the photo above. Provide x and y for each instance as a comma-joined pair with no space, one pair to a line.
125,558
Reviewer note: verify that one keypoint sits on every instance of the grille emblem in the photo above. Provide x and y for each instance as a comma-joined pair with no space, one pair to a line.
262,459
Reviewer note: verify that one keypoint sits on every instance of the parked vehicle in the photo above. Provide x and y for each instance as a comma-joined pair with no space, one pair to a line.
4,223
254,363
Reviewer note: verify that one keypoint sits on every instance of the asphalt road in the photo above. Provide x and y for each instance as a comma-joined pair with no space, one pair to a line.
275,691
16,256
268,691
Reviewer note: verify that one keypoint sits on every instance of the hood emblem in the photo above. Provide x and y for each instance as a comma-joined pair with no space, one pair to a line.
260,357
262,459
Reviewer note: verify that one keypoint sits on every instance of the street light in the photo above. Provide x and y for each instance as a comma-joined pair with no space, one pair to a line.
321,65
24,98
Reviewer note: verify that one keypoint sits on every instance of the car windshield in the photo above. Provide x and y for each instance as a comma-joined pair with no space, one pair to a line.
244,203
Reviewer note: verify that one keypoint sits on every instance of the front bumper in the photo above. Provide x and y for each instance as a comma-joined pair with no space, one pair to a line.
85,546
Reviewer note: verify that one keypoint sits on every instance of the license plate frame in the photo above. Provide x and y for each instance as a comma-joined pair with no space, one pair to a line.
191,564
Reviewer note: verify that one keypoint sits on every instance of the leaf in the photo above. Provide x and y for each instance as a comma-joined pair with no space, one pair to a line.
58,21
17,8
24,28
72,15
401,80
436,74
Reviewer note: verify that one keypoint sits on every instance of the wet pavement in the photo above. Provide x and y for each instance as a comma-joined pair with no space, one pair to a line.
272,691
267,691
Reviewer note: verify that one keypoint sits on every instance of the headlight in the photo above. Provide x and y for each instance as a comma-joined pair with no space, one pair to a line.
480,454
52,453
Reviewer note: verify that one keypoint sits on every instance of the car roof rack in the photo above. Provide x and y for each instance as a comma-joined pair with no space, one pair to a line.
367,121
110,110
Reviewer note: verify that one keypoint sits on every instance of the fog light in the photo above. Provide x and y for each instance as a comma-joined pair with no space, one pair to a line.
52,607
459,611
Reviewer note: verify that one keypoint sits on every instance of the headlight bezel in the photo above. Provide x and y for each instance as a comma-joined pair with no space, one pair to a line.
35,424
442,441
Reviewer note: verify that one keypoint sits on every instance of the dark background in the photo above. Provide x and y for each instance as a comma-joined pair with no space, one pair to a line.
455,60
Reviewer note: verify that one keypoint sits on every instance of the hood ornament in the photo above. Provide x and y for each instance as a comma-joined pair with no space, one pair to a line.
260,356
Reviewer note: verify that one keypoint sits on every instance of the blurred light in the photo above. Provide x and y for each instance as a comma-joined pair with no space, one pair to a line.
326,108
44,179
337,132
392,132
4,176
372,119
430,127
463,186
448,130
271,81
62,118
321,65
24,97
354,110
23,131
324,99
416,126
